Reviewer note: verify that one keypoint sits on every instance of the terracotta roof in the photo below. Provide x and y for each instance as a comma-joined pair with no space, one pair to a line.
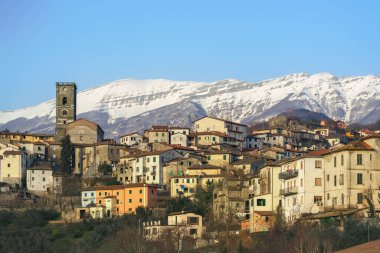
12,152
85,120
320,152
177,127
204,167
115,187
369,247
359,145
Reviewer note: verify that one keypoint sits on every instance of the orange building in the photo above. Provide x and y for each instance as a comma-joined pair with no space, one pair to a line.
127,197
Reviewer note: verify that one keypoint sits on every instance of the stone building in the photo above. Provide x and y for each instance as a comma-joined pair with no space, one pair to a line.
83,131
66,103
89,157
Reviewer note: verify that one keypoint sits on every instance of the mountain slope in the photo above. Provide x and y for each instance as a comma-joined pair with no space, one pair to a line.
128,105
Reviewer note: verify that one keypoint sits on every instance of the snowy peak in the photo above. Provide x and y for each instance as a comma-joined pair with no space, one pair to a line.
118,103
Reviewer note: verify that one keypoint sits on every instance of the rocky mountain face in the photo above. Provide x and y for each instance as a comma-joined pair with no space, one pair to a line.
133,105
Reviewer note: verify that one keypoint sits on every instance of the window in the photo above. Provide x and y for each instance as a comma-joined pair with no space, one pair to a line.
334,180
342,198
359,178
342,160
43,179
130,200
360,198
260,202
318,164
370,157
32,178
334,161
193,231
341,179
154,159
9,165
100,202
359,159
193,220
318,200
327,177
208,158
64,100
100,194
117,202
140,200
140,191
85,194
301,182
130,191
318,182
64,112
224,157
117,193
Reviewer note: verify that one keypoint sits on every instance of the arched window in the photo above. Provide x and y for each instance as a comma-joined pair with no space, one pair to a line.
64,100
64,112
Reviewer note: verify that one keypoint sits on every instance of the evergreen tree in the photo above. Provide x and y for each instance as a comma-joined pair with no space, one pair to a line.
66,155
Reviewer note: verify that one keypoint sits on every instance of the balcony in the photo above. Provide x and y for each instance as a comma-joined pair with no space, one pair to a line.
289,191
288,174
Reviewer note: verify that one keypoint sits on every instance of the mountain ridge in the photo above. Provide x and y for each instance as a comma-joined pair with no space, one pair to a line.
116,106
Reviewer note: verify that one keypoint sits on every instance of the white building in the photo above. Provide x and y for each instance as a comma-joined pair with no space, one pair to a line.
302,185
131,139
148,166
88,197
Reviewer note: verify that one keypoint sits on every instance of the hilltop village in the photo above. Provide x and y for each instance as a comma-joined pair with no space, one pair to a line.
217,178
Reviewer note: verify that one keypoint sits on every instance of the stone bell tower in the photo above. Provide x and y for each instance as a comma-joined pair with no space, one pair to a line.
66,107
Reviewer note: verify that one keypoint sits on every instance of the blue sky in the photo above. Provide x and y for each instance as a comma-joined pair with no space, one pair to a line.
93,42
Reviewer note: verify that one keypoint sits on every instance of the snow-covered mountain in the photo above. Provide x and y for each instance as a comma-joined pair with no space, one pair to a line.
129,105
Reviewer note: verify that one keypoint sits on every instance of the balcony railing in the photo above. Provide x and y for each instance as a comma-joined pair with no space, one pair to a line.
288,174
289,191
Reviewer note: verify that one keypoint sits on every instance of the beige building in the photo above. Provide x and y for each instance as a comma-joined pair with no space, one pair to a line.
180,225
131,139
13,168
187,185
83,131
221,158
351,172
158,134
178,167
231,129
212,138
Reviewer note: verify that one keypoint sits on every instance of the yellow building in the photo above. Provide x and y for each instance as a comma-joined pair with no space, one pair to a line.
30,137
221,158
13,167
187,185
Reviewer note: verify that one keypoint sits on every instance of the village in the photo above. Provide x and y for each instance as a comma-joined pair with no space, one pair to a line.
245,177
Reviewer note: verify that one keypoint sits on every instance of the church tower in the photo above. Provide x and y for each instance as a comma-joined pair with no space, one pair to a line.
66,107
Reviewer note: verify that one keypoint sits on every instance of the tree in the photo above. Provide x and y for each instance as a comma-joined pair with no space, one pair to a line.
66,155
105,168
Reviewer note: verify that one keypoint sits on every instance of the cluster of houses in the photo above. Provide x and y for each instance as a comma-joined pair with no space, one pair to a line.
256,173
